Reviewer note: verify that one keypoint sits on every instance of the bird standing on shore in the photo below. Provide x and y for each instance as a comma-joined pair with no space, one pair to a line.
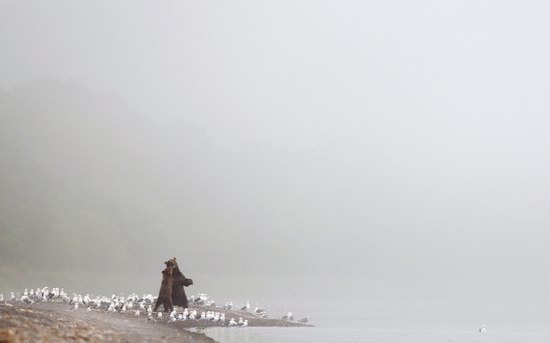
288,316
193,315
25,299
246,306
258,310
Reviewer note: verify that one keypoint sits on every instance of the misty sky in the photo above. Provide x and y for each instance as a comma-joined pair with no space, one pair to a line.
392,142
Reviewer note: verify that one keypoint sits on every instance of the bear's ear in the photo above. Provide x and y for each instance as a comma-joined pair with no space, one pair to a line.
173,258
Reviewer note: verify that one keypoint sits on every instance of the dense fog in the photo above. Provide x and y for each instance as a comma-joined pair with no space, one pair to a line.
384,151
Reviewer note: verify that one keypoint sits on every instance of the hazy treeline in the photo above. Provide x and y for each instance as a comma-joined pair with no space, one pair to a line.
72,191
84,185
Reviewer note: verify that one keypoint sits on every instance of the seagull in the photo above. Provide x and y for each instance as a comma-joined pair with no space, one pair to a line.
26,300
1,297
96,303
12,296
193,315
304,320
159,315
244,324
288,316
232,322
483,329
141,306
241,321
246,306
137,313
86,300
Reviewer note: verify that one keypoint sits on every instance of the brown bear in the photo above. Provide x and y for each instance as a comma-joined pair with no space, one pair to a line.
165,293
179,282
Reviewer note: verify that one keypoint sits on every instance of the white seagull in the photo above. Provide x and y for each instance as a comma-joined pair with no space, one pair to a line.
26,300
246,306
288,316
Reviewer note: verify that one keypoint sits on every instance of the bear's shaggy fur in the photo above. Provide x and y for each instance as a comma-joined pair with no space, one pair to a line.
165,292
179,281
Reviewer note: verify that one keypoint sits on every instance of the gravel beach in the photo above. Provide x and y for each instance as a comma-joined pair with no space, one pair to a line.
57,322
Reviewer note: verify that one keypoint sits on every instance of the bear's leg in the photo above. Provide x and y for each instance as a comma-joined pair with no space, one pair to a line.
168,305
158,303
184,301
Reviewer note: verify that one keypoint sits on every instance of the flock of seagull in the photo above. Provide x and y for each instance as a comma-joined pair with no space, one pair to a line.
141,305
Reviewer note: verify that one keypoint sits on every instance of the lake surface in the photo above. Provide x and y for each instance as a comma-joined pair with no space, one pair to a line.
361,323
342,335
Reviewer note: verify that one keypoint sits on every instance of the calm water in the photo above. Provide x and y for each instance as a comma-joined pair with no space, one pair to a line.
356,324
310,335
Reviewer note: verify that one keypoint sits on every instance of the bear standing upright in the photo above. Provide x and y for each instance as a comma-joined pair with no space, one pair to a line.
179,281
165,292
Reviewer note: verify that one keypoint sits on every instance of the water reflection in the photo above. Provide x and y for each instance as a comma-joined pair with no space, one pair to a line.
233,335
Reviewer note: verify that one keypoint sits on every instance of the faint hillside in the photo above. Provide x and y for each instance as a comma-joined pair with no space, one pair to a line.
73,165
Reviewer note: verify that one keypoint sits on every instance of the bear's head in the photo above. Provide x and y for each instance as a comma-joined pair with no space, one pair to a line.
171,263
